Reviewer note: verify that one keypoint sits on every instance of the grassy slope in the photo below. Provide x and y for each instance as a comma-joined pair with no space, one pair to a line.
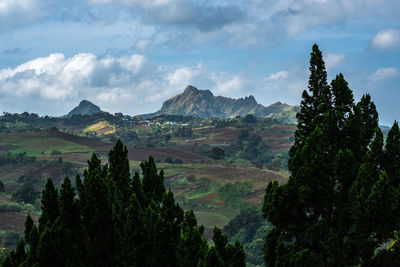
186,180
100,128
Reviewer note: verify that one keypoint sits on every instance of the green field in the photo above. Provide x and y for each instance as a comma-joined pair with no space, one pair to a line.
40,143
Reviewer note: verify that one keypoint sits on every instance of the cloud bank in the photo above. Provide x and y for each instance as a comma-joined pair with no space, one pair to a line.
130,84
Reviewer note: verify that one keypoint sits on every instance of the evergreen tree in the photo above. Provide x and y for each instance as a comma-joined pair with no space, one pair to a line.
96,212
153,182
32,259
341,200
194,246
99,227
28,227
49,205
224,254
119,171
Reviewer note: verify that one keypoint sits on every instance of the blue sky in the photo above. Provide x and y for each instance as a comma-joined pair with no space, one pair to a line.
131,55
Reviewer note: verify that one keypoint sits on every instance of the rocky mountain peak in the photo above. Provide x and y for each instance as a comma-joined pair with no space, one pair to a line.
85,107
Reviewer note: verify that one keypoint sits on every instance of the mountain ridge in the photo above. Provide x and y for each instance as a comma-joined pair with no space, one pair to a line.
203,103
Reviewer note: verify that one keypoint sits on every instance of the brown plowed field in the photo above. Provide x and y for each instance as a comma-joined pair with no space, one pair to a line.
222,134
143,153
135,153
233,173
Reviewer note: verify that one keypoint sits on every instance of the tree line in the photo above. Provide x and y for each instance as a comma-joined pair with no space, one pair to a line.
109,218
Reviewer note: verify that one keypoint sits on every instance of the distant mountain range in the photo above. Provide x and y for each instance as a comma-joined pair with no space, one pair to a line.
85,107
202,103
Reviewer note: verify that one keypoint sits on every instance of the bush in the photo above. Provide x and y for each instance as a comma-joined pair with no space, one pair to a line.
5,207
10,239
1,186
216,153
250,118
178,162
26,193
232,194
29,178
169,160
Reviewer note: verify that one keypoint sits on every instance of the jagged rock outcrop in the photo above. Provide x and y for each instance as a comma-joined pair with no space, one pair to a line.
203,103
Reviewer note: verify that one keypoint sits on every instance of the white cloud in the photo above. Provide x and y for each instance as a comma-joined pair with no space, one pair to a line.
383,74
183,76
332,60
387,39
16,13
110,80
227,85
128,84
277,75
8,5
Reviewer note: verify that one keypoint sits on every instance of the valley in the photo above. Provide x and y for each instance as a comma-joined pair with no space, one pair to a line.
34,148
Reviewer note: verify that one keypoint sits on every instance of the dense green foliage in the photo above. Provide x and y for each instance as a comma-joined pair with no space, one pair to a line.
5,207
250,229
26,193
216,153
9,238
341,203
118,220
9,158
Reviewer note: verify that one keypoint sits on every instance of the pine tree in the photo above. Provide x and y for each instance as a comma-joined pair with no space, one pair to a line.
32,259
49,205
313,107
99,228
96,211
153,182
341,200
193,244
28,227
119,171
223,254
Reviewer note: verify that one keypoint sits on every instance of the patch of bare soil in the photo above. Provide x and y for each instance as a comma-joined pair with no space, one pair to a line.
143,153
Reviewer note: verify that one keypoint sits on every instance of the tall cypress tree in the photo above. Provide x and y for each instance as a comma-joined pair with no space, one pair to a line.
98,228
96,211
49,205
340,202
153,182
119,171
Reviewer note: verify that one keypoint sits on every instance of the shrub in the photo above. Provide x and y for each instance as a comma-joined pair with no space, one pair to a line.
26,193
178,162
216,153
10,239
5,207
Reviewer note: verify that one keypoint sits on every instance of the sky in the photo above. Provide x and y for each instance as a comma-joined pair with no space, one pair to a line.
131,55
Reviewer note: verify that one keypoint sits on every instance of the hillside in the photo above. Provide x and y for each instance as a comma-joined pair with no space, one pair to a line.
85,107
34,149
203,103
